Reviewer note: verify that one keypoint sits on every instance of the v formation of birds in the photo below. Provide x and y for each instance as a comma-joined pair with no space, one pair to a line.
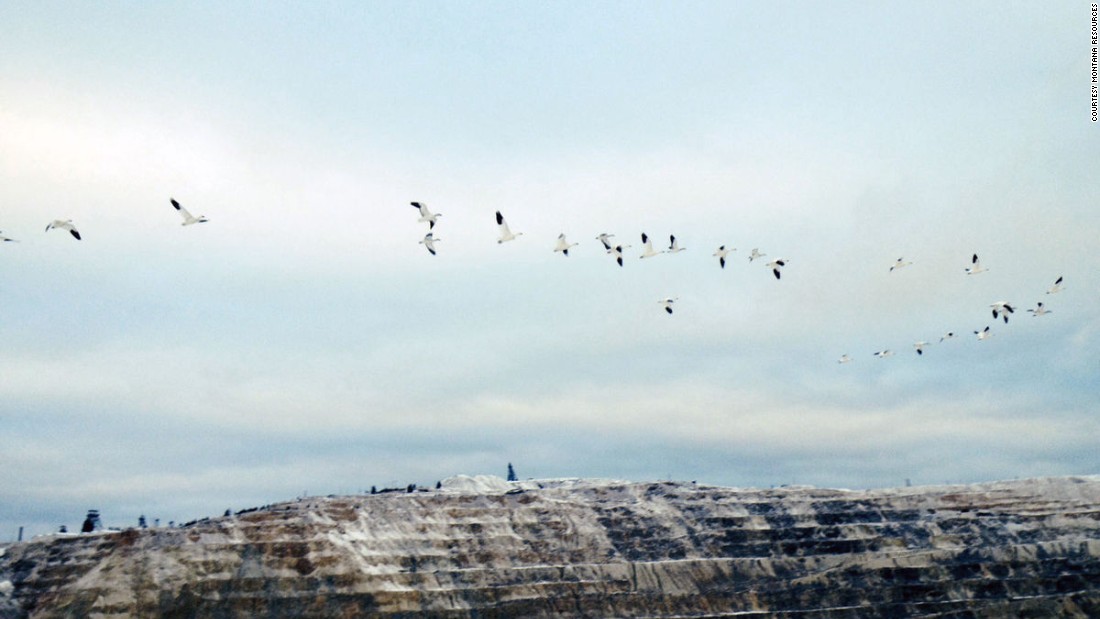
999,309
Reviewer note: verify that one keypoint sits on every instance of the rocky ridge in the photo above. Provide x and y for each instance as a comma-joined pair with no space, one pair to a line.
482,547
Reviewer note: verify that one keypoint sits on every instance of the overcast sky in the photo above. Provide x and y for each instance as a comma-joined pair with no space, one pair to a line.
302,341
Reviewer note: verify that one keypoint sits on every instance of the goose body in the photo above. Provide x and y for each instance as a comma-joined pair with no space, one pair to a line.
64,225
426,215
188,218
563,246
506,233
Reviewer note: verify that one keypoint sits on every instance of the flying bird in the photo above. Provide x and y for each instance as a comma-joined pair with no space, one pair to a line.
64,225
505,233
617,251
775,264
899,263
429,242
1002,308
983,334
755,254
605,238
919,346
882,354
4,239
563,246
975,266
667,304
844,359
188,218
950,335
673,246
426,215
1057,287
722,253
647,247
1039,311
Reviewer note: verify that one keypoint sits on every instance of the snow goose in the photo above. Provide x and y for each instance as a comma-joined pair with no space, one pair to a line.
919,347
505,232
667,304
899,263
605,238
188,218
617,252
4,239
1002,308
776,264
755,254
722,253
984,334
64,225
882,354
563,246
1057,287
673,246
429,242
844,359
1040,310
975,266
647,247
950,335
426,215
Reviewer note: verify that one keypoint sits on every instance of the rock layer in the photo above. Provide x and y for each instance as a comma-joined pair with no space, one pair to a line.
584,548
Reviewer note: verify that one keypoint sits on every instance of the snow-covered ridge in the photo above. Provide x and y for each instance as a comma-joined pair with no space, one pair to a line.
581,547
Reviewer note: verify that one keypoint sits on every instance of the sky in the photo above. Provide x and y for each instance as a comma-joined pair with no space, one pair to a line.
303,342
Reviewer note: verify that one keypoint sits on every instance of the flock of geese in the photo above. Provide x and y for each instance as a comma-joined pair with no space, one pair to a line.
999,309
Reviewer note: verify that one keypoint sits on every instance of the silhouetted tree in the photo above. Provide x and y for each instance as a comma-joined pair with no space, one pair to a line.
373,490
141,521
438,485
228,513
512,473
64,529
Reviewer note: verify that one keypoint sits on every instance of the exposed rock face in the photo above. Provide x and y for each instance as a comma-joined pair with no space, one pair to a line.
595,549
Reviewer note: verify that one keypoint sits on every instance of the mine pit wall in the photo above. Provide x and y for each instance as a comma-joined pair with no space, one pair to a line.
593,550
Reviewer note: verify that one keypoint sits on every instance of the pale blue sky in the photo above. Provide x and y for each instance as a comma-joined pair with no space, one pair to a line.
303,341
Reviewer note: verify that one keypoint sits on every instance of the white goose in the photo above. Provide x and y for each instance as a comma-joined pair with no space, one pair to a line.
563,246
919,346
882,354
1039,311
426,215
755,254
667,304
4,239
1057,287
776,264
64,225
188,218
722,253
984,334
617,252
673,246
975,266
647,248
429,242
844,359
505,233
605,238
950,335
1002,308
899,263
